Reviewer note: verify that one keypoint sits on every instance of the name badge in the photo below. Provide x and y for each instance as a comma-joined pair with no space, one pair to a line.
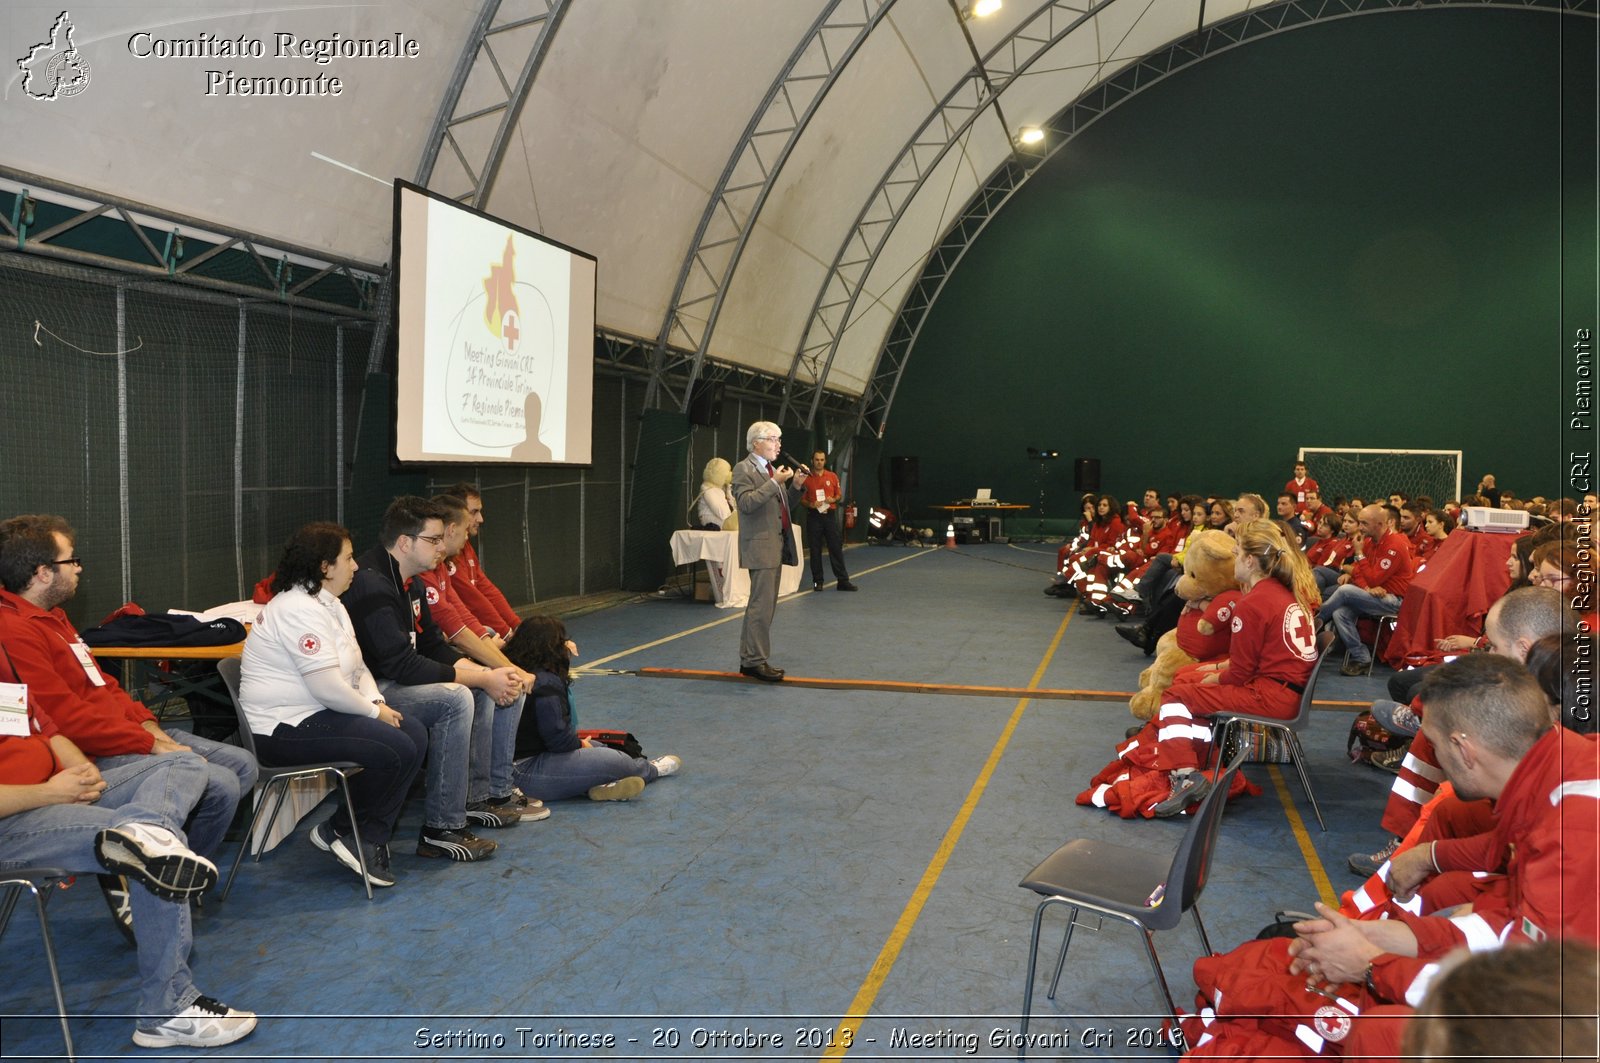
14,709
86,660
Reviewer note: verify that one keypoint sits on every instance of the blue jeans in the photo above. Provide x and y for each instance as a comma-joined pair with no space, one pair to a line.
445,711
389,758
1157,578
554,776
1327,578
1347,605
160,790
494,746
230,774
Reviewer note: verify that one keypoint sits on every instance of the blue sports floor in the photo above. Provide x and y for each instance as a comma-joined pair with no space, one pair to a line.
832,875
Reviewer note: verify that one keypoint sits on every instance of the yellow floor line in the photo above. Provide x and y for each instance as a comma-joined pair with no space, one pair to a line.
850,1025
1302,837
733,614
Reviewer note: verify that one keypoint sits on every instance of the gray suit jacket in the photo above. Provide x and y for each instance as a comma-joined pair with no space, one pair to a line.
761,540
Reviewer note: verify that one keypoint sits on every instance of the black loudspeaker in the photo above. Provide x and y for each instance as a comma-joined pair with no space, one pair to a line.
904,474
705,403
1086,474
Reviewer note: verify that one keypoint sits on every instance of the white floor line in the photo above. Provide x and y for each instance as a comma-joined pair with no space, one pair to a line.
733,614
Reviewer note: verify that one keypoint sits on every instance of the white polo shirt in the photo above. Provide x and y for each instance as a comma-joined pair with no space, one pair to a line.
298,634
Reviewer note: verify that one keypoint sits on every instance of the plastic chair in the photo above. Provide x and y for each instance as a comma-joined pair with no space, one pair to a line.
279,776
1223,725
1133,884
37,881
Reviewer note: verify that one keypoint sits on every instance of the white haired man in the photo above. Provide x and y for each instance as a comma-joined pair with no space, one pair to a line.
765,494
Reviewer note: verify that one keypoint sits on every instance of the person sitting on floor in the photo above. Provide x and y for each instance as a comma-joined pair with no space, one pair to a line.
553,763
309,698
1270,657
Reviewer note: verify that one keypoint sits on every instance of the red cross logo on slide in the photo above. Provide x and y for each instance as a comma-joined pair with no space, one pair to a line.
310,644
1298,634
510,331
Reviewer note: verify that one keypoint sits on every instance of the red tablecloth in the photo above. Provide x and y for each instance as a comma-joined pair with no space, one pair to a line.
1465,576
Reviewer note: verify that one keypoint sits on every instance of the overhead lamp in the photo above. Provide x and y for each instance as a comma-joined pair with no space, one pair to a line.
985,8
1029,135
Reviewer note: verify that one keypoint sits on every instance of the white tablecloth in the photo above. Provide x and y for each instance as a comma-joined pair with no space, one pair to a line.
730,584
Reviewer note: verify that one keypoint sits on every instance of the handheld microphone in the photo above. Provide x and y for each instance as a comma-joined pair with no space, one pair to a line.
785,458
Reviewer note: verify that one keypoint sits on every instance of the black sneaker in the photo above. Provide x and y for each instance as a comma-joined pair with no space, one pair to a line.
1188,787
458,844
114,888
322,836
484,814
378,873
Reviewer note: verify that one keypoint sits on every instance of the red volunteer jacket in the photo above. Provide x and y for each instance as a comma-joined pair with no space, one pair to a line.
66,684
505,618
1387,564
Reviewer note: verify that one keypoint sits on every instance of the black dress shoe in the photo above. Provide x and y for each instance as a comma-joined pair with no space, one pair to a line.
764,672
1137,634
845,585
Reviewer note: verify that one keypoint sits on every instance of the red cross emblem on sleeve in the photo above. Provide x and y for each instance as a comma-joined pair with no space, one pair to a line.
310,644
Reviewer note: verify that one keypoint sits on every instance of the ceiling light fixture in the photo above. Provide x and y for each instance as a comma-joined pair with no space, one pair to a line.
1030,134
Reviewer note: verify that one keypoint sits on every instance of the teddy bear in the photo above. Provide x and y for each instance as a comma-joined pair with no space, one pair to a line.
714,508
1209,590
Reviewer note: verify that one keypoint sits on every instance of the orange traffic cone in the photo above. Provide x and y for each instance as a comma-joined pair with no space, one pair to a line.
949,536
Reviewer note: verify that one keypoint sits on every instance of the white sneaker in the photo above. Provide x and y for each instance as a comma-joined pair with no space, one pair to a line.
667,765
153,856
625,788
203,1024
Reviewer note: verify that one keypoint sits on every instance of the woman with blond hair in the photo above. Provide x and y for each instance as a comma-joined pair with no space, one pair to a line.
1270,657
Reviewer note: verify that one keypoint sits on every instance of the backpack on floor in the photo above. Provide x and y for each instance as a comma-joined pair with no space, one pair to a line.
1371,743
620,740
1261,745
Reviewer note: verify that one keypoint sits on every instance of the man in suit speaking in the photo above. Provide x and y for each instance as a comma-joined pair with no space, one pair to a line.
765,494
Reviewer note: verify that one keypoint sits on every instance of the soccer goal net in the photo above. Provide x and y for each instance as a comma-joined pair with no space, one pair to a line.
1344,472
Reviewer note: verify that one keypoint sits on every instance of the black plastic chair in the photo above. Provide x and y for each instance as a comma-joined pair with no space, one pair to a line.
278,777
1147,889
1223,725
38,881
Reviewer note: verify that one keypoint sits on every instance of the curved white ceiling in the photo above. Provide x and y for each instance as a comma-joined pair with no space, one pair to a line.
620,144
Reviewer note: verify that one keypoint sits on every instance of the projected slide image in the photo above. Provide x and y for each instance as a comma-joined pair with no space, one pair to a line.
505,355
494,337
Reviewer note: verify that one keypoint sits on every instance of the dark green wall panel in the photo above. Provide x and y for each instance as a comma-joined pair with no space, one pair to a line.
1346,235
